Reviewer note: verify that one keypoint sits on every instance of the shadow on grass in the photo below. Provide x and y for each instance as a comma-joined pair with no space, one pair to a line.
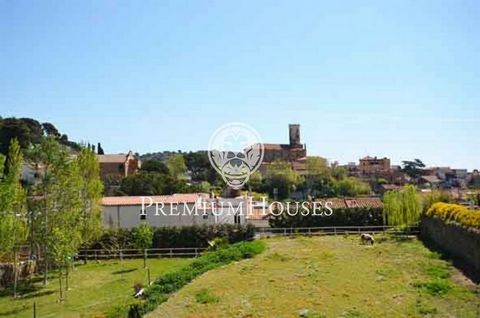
39,294
461,265
124,271
23,288
14,312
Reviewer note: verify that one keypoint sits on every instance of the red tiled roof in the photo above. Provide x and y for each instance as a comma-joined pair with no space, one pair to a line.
360,202
121,158
137,200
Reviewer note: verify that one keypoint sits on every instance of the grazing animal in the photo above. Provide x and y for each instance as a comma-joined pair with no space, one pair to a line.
367,238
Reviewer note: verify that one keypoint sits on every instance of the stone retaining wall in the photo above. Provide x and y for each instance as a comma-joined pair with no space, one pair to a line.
453,239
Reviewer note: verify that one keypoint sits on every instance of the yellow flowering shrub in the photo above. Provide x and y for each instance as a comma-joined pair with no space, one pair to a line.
456,213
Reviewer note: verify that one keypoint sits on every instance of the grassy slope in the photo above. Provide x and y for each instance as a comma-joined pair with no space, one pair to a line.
331,277
94,288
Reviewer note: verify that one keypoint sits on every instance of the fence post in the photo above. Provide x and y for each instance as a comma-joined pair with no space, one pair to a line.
95,255
171,253
121,255
335,231
196,252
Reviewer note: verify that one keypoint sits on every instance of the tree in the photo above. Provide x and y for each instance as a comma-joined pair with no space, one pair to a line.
414,169
154,166
58,208
11,128
142,239
318,174
50,130
351,186
255,182
91,193
100,149
200,167
149,183
282,177
402,207
12,206
176,165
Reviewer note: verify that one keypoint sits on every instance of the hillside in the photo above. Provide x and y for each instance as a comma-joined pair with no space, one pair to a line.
329,277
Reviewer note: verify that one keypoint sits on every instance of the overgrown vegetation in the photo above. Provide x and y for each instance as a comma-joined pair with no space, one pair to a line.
455,213
173,281
320,180
339,217
331,276
402,207
182,236
63,205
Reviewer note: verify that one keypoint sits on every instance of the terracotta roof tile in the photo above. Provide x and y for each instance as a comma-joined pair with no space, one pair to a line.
137,200
120,158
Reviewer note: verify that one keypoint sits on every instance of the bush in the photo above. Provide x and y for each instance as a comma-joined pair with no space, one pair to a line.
340,217
172,237
455,213
435,287
205,297
173,281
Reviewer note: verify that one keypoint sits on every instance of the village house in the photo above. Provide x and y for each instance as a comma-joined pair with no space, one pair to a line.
172,210
373,166
119,165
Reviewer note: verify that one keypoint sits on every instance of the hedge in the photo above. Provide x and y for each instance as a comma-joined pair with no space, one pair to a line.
171,282
455,213
172,237
339,217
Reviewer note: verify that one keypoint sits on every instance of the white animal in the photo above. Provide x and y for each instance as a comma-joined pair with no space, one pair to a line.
367,238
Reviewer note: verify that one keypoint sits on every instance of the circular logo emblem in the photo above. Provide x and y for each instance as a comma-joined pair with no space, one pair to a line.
236,151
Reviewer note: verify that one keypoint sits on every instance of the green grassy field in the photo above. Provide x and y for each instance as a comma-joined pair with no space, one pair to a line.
330,277
94,288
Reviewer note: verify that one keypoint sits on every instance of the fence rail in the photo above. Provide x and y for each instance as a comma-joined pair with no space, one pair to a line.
97,254
333,230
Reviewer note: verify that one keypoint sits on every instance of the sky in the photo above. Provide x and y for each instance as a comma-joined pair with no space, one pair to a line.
382,78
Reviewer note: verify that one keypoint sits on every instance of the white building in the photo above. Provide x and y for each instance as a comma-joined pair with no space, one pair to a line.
172,210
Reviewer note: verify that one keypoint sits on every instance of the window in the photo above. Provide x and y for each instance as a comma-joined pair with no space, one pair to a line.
236,219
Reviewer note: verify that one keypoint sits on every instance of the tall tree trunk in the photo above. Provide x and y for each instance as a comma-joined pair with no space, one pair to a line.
145,258
45,267
15,272
60,283
66,276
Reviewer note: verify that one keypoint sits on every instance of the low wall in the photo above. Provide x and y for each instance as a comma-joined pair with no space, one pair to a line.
7,272
455,240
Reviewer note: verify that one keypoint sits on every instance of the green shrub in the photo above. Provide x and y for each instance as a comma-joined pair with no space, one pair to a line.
455,213
205,297
170,282
435,287
172,237
339,217
437,271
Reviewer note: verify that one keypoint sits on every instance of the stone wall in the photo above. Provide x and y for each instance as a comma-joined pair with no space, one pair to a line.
7,272
453,239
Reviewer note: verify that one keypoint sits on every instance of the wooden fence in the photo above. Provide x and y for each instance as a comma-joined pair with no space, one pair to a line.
98,254
334,230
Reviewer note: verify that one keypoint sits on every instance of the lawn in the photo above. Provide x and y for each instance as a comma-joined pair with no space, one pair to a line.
94,288
330,277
